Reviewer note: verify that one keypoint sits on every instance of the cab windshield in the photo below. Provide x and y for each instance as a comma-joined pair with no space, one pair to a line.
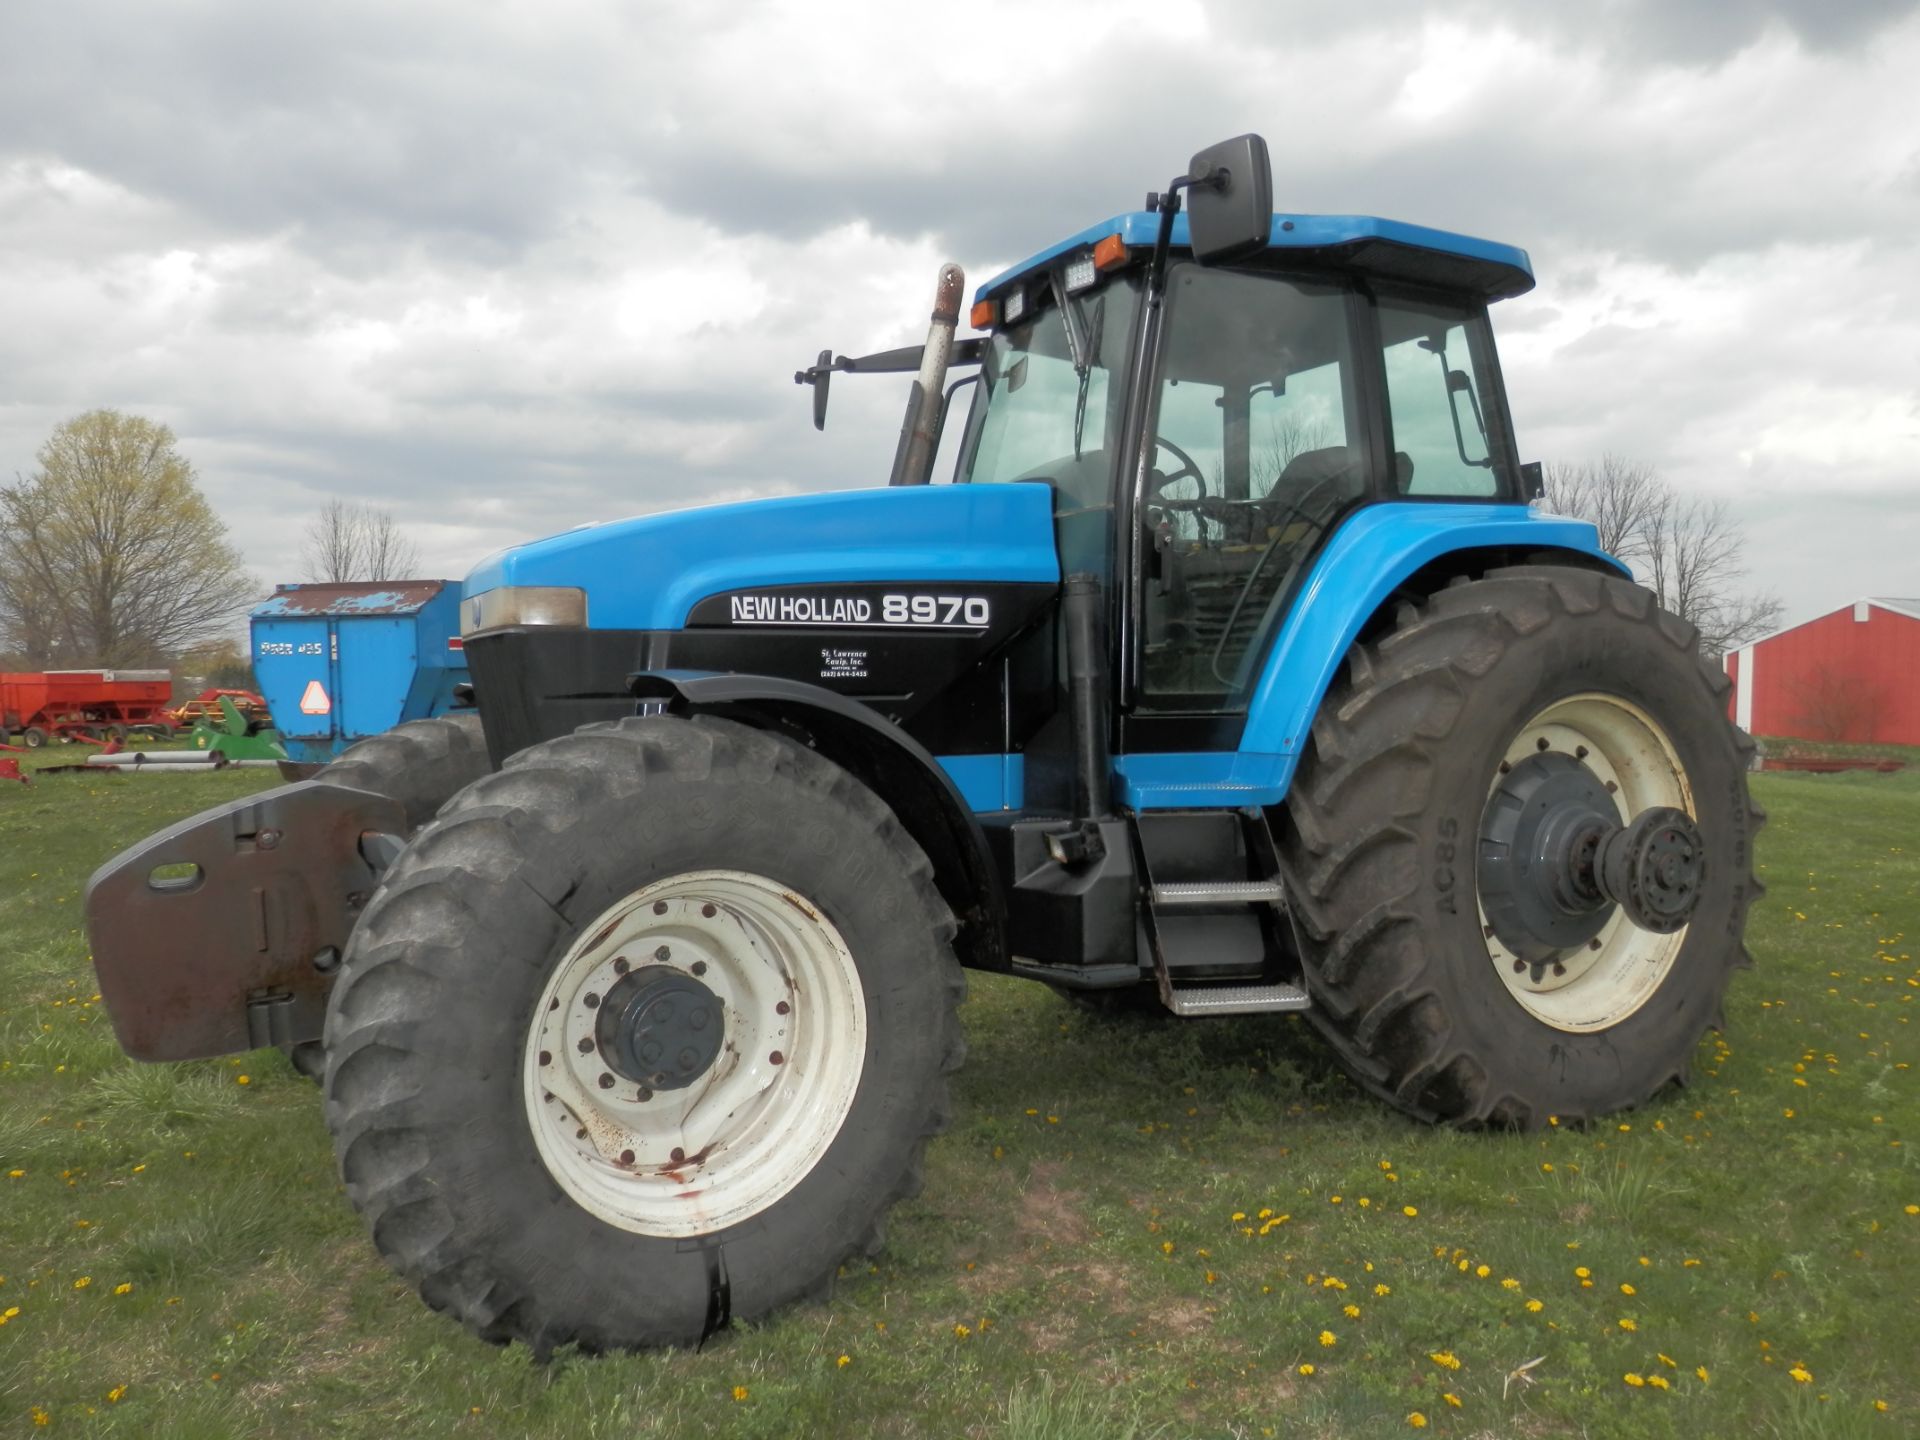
1036,416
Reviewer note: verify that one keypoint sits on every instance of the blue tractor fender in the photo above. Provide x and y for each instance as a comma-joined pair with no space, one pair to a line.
895,766
1373,554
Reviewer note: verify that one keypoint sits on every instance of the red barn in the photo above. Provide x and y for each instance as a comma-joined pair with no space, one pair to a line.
1853,674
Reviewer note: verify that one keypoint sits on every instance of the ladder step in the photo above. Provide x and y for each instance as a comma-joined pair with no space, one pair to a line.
1220,892
1237,999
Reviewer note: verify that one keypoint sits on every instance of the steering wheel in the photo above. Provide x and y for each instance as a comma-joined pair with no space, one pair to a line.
1188,469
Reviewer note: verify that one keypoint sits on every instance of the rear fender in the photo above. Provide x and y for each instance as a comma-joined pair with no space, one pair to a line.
239,951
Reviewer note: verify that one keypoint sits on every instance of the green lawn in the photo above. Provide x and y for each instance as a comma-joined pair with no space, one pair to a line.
1173,1228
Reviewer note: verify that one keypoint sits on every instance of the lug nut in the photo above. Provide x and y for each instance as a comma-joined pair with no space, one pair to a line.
777,1058
606,1081
592,1001
663,954
708,911
783,1007
586,1044
643,1094
678,1155
699,967
621,965
626,1157
546,1057
659,907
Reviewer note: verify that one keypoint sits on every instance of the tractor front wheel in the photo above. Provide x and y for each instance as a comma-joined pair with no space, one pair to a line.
1520,852
33,737
644,1033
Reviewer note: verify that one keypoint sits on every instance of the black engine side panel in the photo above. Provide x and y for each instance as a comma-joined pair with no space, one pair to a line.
964,668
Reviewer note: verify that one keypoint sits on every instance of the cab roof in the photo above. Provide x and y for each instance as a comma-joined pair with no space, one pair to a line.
1390,249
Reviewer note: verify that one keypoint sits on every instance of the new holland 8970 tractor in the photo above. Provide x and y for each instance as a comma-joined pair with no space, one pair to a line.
1230,671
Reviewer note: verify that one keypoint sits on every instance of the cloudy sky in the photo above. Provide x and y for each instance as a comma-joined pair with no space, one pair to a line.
508,267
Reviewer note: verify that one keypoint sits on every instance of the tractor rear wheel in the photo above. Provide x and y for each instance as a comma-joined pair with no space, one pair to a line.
646,1032
422,764
1469,764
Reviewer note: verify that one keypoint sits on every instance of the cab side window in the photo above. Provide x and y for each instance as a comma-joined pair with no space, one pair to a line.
1445,441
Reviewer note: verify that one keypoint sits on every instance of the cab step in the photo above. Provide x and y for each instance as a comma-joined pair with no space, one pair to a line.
1236,999
1219,892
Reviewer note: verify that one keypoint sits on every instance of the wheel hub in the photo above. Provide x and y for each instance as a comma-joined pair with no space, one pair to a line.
660,1027
1555,859
1542,829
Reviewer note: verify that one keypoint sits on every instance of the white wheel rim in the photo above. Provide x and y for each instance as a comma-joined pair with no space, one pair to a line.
697,1159
1600,984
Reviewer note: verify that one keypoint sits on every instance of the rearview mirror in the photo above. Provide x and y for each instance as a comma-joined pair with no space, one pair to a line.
1230,203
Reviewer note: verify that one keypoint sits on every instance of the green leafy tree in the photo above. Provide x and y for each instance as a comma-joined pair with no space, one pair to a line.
109,553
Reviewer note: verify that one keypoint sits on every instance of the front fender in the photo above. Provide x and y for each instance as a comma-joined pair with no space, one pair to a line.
891,763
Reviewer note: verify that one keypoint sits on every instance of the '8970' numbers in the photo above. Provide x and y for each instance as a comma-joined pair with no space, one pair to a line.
933,610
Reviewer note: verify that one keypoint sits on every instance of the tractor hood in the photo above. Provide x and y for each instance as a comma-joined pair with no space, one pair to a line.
647,572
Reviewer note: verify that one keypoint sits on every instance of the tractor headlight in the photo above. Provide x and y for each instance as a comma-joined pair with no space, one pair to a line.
511,605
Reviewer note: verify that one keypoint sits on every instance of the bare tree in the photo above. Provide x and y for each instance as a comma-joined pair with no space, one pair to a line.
109,554
347,542
1836,705
1617,495
1687,549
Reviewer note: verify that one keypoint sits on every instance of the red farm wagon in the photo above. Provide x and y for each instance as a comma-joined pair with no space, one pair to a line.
92,704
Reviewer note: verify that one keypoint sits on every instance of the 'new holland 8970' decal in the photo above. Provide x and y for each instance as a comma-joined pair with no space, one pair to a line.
940,612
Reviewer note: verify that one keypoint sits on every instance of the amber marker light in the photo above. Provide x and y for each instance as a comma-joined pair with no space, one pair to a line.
982,316
1110,254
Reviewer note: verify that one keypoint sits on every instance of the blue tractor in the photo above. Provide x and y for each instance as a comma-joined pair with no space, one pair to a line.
1231,670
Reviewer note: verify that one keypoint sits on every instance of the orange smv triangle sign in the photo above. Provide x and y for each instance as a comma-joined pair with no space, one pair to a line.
315,701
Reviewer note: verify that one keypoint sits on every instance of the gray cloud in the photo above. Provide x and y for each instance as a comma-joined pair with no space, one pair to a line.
513,268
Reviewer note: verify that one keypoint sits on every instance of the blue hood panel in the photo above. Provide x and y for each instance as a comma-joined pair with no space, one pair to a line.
648,572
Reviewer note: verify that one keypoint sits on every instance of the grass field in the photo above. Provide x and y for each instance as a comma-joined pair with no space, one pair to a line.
1133,1228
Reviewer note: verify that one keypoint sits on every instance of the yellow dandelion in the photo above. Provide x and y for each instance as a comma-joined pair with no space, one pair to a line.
1634,1380
1580,1272
123,1288
1536,1306
1509,1283
83,1282
1381,1291
1667,1360
739,1392
1445,1358
1326,1339
1352,1312
1210,1277
1306,1369
1659,1382
1166,1247
1408,1211
1417,1420
1628,1325
1881,1406
1801,1375
844,1361
243,1080
1483,1271
961,1332
1451,1399
1911,1209
1626,1289
1701,1372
